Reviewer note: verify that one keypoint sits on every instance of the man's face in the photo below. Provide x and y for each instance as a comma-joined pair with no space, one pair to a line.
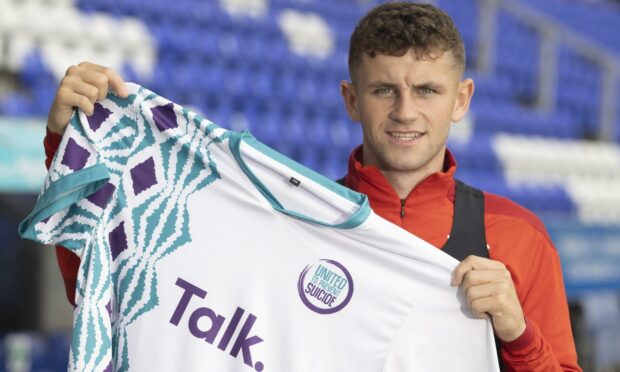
406,106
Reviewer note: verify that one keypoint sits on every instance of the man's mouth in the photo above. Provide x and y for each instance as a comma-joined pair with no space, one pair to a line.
408,136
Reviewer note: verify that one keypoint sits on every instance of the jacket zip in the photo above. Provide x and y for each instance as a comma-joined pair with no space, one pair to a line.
402,208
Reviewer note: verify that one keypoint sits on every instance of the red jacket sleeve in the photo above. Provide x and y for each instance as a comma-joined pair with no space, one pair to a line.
520,240
547,343
68,261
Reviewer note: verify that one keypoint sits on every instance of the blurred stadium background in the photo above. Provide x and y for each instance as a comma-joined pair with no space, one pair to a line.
544,128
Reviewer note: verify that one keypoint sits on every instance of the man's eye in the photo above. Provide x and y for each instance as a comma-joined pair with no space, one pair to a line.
426,91
384,91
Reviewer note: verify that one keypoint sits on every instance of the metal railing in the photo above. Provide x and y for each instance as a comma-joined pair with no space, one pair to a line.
552,35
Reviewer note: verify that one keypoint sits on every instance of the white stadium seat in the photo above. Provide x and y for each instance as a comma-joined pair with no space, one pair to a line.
308,34
19,47
589,172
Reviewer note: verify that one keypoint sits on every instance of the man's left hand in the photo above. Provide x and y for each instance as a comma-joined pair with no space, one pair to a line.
489,289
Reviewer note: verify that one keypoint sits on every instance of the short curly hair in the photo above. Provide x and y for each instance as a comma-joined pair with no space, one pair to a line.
396,27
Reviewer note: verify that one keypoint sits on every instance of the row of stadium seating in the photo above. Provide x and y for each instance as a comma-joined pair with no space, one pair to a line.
221,33
196,50
245,72
587,171
235,85
34,352
596,19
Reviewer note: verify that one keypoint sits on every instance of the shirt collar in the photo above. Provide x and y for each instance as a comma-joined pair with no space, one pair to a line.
369,180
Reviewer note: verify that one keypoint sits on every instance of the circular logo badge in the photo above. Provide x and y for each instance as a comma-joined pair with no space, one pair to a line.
325,287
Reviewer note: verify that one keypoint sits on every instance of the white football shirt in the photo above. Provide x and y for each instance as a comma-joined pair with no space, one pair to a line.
204,250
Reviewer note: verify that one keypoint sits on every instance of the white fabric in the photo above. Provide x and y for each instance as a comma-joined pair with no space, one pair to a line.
390,306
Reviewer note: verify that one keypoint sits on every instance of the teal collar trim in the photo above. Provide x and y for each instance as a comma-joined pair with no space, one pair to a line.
63,193
356,219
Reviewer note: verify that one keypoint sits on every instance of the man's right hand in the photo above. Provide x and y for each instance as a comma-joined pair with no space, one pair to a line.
82,86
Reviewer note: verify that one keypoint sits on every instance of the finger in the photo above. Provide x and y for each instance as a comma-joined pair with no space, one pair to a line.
89,91
96,79
481,291
478,277
61,113
481,307
473,263
478,263
500,297
83,74
70,99
114,80
77,85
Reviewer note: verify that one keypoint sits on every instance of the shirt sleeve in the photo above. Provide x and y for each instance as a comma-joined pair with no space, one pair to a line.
68,262
78,184
548,344
69,205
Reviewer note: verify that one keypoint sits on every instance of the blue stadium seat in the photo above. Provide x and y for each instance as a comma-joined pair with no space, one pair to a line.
317,131
39,80
343,134
25,351
34,70
285,86
307,91
236,81
544,200
293,127
476,155
261,83
17,105
267,125
58,344
307,155
333,162
487,181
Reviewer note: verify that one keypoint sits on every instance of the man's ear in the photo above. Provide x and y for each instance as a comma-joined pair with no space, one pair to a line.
463,99
347,90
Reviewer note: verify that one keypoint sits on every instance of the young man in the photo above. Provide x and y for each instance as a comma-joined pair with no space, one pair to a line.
406,65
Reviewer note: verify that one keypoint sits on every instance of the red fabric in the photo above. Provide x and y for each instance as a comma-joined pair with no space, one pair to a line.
515,236
68,261
51,143
522,341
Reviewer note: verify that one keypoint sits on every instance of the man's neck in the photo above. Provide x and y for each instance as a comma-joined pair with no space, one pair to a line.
403,182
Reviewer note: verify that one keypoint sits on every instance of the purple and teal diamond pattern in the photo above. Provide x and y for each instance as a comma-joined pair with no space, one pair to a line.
143,176
100,114
74,156
110,230
144,231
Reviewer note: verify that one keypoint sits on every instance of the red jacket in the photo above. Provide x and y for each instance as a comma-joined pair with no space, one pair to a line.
515,236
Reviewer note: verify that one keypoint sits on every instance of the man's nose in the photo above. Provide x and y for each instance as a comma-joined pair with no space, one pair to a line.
405,109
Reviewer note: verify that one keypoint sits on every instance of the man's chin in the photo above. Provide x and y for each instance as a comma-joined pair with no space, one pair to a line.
403,167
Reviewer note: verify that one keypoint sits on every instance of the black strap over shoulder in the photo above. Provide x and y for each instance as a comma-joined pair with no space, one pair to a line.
467,236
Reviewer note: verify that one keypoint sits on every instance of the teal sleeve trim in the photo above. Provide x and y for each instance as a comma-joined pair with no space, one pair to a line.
356,219
63,193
